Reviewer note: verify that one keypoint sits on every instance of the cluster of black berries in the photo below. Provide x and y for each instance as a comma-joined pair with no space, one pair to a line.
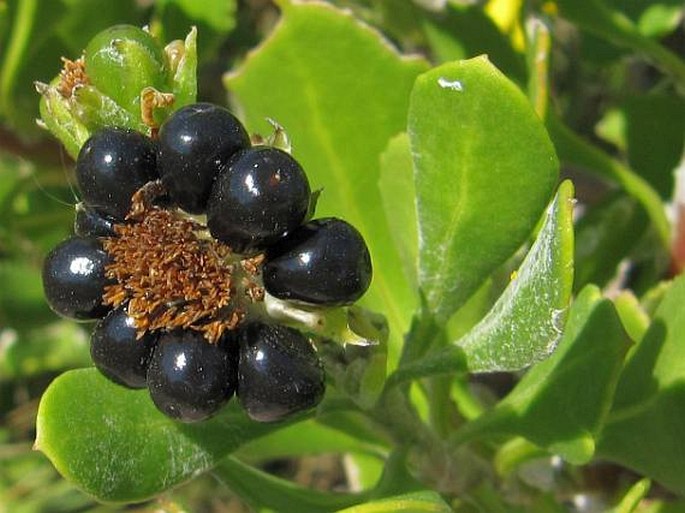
178,300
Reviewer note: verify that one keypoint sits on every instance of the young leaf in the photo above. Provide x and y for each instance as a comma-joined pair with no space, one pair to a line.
560,403
644,429
114,444
484,171
341,92
525,323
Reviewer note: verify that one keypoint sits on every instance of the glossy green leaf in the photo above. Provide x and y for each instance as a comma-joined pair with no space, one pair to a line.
484,171
526,322
114,444
644,429
561,403
341,92
605,235
262,490
417,502
398,194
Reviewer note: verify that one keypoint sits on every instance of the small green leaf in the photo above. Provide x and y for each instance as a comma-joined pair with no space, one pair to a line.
484,171
644,429
417,502
262,490
526,322
341,92
184,80
95,110
561,403
631,500
114,444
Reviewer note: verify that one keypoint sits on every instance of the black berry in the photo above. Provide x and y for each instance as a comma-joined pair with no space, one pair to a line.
74,278
118,353
90,223
259,197
325,261
190,379
194,143
112,165
279,372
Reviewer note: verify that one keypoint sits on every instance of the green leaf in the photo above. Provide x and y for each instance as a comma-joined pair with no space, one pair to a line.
341,92
114,444
631,500
525,323
417,502
398,194
561,403
484,171
262,490
644,429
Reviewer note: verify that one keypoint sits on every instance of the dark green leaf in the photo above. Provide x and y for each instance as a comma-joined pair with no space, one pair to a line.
561,403
484,171
341,92
114,444
643,431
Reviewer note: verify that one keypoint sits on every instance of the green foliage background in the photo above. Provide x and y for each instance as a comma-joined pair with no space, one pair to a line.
536,344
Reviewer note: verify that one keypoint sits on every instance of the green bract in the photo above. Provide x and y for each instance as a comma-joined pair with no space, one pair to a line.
124,59
127,78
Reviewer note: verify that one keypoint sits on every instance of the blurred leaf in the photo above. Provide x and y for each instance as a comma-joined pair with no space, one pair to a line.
605,236
316,75
643,431
466,31
303,438
575,150
113,443
22,303
630,502
214,20
480,154
262,490
58,346
653,18
417,502
561,403
634,318
396,183
610,24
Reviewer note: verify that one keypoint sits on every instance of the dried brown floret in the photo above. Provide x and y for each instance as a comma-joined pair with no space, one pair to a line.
173,275
73,74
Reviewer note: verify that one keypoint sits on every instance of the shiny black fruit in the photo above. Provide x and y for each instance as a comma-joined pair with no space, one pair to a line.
325,262
90,223
117,353
279,372
74,278
112,165
194,143
260,196
190,379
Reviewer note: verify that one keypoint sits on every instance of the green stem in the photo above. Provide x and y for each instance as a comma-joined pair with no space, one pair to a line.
16,49
573,149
